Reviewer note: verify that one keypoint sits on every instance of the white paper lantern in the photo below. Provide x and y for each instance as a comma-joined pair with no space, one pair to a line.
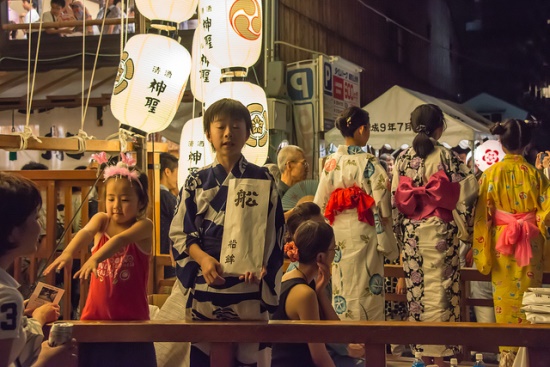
195,149
234,31
150,82
170,10
488,154
205,76
253,97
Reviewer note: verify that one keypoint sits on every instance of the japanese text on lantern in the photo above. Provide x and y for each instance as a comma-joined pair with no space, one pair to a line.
195,157
157,87
246,198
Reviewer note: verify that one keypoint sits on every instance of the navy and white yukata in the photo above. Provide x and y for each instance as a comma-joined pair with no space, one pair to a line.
199,219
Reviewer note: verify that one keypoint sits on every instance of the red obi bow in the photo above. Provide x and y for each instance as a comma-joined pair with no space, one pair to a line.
515,239
352,197
437,198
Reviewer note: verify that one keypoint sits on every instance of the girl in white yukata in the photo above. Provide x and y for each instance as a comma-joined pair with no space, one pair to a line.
433,196
354,196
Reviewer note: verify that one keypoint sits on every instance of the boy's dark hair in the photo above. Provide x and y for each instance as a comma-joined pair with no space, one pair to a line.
61,3
351,119
141,191
312,238
425,119
34,3
19,198
169,161
300,214
226,108
34,166
514,134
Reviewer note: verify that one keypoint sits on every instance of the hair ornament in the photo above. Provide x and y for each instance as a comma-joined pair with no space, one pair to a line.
348,121
422,129
291,251
125,167
100,158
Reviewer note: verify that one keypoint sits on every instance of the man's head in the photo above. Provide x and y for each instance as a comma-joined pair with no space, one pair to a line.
34,166
169,171
293,165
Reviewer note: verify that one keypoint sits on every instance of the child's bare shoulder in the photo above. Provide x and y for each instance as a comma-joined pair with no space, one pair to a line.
146,222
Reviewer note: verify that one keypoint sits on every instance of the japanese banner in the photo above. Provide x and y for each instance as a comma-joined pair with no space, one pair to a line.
243,241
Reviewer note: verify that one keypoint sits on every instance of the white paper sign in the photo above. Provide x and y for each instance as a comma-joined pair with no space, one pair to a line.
45,293
243,241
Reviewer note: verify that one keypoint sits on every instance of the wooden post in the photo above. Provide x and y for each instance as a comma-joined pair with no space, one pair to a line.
222,354
375,355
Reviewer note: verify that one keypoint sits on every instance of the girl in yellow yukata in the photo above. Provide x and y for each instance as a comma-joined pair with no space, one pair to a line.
509,230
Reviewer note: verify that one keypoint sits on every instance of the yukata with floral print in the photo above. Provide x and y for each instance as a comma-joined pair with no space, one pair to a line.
430,246
511,186
358,266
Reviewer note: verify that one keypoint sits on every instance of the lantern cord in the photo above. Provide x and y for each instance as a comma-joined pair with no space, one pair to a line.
30,85
85,105
81,137
255,75
24,138
125,12
82,114
27,132
300,48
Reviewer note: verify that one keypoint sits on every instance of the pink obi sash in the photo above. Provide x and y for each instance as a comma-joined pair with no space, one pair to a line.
515,238
437,198
350,198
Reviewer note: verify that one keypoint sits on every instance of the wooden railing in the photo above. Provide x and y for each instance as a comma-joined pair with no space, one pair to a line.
55,185
59,184
374,335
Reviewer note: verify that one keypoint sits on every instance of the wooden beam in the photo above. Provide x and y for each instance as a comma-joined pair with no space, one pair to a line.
62,144
70,23
71,145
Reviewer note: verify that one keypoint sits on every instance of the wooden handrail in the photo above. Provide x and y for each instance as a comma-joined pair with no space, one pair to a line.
375,335
466,274
67,24
8,141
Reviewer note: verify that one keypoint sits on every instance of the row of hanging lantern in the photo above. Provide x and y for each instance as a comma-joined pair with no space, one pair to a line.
233,43
226,43
155,67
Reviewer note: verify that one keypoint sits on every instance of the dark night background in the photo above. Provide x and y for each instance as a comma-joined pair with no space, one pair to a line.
506,53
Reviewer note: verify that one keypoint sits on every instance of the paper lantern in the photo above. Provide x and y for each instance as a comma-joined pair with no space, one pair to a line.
253,97
195,149
232,31
205,76
150,82
175,11
488,153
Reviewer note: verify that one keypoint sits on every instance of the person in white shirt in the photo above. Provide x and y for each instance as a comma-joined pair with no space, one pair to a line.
20,337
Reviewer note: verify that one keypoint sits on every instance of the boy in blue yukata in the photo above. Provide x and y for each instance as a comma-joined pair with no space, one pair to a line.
212,214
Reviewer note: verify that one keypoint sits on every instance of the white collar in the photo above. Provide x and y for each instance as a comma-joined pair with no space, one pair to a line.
7,279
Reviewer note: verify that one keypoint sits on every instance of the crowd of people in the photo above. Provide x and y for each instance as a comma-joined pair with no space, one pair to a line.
70,10
416,208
